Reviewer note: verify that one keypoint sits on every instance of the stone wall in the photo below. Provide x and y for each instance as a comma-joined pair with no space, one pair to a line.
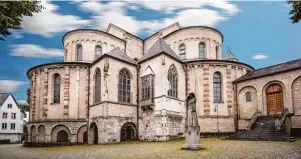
73,91
52,128
200,82
191,37
89,39
290,83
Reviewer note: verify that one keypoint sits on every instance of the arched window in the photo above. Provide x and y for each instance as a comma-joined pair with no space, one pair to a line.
148,88
66,54
172,77
216,52
124,86
98,51
217,87
202,50
182,51
97,86
56,88
248,97
79,53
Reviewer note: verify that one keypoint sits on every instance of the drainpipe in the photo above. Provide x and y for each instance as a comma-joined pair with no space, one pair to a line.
137,99
236,107
88,104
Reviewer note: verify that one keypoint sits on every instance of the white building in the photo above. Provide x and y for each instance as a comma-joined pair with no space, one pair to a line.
11,119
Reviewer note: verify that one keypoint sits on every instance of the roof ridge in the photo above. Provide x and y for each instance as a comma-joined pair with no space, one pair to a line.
278,64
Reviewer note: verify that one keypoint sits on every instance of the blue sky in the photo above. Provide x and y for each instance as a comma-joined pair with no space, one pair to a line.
258,33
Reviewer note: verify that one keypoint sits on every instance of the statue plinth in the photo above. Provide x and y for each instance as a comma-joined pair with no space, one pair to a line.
192,132
192,138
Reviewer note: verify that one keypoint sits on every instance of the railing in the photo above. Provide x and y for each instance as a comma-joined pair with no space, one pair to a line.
254,118
281,121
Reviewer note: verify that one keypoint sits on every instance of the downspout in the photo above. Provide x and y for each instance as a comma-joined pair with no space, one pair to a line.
236,107
186,81
137,99
88,105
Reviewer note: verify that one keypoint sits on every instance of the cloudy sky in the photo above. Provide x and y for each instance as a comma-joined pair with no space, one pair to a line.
258,33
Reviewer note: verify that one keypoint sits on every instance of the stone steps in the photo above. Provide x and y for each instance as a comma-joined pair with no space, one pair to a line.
263,130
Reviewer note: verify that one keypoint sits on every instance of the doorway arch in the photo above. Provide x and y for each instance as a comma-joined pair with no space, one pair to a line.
33,133
94,133
62,136
128,132
274,99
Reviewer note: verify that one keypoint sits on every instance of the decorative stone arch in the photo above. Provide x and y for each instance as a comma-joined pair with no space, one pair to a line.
93,133
296,95
128,132
41,134
246,109
264,94
82,135
124,68
105,48
60,133
33,134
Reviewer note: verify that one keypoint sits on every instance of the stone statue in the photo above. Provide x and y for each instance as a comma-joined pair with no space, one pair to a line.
192,132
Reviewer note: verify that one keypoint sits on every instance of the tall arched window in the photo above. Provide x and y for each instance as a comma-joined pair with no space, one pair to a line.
248,97
216,52
98,51
97,86
79,53
182,51
66,54
217,87
172,77
56,88
124,86
202,50
148,88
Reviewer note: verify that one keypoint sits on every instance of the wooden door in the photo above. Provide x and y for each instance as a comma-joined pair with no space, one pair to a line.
274,99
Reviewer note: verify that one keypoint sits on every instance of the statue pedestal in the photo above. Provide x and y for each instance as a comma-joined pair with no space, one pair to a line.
192,138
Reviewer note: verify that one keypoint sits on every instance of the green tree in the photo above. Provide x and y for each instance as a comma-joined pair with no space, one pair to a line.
296,10
12,12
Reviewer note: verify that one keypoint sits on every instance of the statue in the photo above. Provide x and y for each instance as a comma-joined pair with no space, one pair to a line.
192,132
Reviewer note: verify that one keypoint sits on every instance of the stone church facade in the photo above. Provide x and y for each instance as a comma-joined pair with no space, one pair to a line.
113,86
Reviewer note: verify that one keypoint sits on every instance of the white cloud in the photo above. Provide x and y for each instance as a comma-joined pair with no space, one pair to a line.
22,101
30,50
49,21
187,14
260,56
8,86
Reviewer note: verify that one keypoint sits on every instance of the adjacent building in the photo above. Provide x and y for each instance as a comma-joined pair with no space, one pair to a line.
11,119
114,86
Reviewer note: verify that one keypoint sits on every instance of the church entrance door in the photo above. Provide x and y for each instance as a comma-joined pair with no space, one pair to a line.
274,95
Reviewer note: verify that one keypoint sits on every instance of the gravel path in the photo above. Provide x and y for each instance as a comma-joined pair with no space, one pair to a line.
213,149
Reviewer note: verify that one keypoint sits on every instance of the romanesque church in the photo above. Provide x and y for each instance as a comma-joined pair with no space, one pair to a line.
114,86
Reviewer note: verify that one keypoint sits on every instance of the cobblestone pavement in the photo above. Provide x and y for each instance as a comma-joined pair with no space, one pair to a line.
214,148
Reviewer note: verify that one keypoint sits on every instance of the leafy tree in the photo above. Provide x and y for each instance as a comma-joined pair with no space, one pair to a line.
296,11
12,12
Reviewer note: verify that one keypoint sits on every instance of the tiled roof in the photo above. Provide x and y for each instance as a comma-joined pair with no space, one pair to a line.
230,56
117,53
3,97
158,47
283,67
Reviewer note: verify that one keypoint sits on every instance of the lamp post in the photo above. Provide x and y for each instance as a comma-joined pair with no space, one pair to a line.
217,121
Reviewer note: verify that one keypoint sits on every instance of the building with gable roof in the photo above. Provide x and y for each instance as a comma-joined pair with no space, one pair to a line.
11,119
114,86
